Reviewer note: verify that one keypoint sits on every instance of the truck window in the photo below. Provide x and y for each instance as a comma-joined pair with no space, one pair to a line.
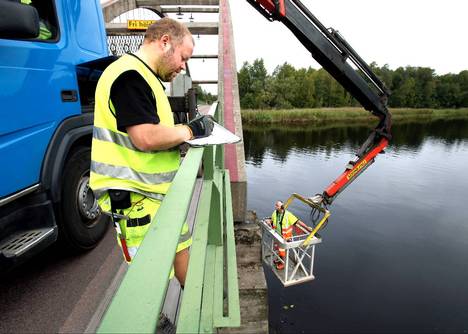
48,25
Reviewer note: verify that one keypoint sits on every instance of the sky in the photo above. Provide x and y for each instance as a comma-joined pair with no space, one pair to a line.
426,33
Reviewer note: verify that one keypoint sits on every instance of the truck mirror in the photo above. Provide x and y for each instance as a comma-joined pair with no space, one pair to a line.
18,20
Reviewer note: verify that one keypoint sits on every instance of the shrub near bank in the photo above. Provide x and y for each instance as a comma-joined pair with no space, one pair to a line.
323,116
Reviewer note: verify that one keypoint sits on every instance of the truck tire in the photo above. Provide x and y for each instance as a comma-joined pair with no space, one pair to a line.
81,224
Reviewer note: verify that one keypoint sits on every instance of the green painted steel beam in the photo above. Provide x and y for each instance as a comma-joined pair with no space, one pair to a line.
206,318
190,309
215,230
218,298
219,156
232,319
137,303
208,163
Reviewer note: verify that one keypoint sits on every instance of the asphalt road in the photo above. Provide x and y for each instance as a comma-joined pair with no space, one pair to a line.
59,292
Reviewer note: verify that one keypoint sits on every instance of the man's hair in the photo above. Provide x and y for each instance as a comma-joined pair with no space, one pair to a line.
167,26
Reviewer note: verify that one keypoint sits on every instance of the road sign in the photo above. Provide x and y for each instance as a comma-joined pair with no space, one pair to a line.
139,24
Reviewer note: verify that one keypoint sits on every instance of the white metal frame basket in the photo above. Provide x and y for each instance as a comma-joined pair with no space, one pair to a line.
299,255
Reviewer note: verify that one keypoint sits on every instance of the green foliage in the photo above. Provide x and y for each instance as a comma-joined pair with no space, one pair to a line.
344,116
254,85
288,88
205,97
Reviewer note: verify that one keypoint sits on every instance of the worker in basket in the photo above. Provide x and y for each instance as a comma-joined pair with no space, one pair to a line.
283,221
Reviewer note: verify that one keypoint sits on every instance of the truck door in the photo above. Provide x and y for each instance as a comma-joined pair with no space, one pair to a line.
37,88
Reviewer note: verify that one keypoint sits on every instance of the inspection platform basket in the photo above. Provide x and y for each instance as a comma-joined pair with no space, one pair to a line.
299,254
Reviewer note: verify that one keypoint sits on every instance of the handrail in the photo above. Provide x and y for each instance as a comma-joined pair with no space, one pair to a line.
136,305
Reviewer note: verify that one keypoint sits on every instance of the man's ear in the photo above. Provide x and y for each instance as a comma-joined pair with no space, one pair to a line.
165,42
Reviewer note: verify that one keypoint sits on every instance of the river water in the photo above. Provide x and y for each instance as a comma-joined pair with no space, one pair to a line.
394,256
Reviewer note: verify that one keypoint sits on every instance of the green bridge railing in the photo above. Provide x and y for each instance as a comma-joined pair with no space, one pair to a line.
211,297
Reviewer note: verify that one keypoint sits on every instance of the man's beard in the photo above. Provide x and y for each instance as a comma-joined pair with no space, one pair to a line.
164,67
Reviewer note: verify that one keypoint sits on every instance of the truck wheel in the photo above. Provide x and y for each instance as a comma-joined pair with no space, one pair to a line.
81,224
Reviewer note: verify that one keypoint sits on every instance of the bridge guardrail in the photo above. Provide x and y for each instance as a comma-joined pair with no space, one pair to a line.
211,295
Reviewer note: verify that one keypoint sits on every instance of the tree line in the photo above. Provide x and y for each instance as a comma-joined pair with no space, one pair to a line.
204,96
288,87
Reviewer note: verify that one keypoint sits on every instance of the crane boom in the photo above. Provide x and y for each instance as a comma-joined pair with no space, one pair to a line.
337,57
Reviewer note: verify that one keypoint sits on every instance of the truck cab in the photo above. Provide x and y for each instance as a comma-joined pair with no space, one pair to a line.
51,55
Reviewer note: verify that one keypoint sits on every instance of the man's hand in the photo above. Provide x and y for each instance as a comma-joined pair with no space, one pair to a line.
201,126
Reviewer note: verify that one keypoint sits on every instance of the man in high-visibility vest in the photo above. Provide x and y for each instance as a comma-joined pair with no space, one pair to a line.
135,155
282,221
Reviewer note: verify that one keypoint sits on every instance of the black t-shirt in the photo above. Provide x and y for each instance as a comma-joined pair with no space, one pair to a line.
133,100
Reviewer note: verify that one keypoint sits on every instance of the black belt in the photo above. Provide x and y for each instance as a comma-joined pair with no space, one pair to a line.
139,221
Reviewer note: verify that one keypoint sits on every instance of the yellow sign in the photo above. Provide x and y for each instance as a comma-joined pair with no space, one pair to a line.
139,24
356,169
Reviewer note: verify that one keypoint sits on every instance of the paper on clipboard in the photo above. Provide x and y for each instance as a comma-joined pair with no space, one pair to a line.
219,136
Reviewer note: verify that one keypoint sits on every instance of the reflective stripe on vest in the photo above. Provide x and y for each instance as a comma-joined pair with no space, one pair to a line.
126,173
115,162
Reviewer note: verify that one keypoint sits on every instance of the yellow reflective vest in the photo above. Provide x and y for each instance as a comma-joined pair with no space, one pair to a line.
283,223
115,162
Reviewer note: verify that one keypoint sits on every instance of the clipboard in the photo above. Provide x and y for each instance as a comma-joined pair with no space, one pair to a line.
219,136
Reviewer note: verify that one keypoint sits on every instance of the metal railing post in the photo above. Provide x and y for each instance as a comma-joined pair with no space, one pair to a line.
215,231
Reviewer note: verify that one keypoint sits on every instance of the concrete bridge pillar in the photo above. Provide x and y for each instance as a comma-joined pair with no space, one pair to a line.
228,94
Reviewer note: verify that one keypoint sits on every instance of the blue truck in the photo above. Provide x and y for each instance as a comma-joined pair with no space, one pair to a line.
47,84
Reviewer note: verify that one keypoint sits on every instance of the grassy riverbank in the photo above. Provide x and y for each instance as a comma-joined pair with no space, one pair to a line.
324,116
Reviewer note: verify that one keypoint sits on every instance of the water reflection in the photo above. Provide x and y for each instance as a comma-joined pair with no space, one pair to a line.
394,253
280,142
